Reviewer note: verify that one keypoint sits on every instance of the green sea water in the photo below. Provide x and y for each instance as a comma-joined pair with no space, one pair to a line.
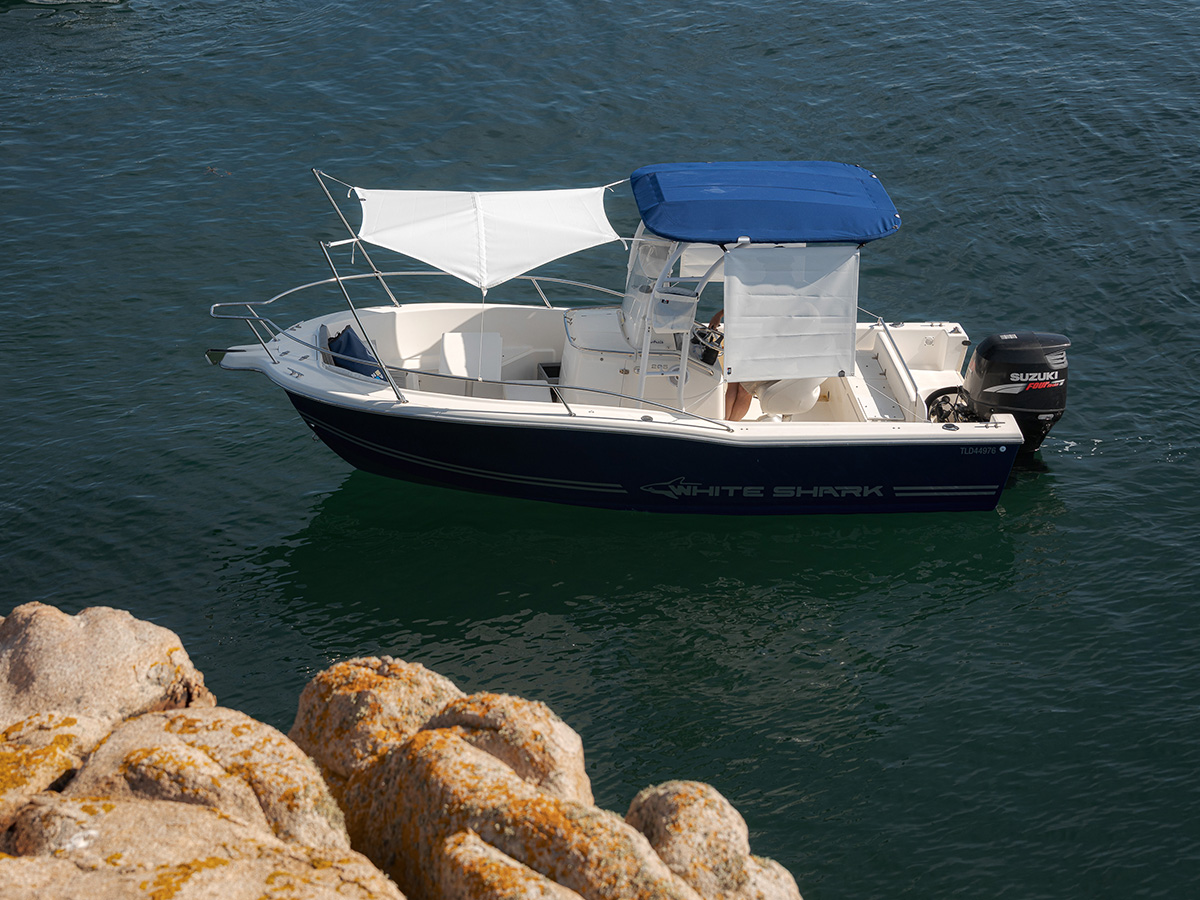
1001,704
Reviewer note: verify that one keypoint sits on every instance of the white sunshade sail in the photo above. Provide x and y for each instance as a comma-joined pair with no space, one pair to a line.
485,238
790,313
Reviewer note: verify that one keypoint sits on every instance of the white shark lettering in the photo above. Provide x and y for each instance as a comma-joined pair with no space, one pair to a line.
678,487
840,491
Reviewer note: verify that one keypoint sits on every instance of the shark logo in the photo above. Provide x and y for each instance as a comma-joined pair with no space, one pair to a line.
675,488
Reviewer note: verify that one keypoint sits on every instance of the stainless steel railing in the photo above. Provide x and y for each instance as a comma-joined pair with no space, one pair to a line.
260,324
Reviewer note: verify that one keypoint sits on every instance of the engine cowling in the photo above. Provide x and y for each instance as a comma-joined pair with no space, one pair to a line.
1023,373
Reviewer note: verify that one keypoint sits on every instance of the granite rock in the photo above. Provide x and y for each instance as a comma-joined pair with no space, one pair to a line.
119,778
219,758
704,840
436,785
144,848
474,870
352,713
525,735
102,663
486,796
39,752
48,878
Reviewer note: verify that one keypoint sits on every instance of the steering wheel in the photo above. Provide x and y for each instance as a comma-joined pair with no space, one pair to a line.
709,337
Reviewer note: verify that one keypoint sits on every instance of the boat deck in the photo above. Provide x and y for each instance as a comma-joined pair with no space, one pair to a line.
527,355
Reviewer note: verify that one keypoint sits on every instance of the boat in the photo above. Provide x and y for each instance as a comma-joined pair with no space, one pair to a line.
732,372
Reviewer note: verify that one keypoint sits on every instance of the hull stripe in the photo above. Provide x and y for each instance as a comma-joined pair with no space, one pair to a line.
470,470
948,490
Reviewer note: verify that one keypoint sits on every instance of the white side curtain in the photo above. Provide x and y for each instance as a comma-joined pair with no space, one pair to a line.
790,312
697,259
485,238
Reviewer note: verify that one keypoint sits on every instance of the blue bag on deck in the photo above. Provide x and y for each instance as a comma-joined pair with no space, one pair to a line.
348,344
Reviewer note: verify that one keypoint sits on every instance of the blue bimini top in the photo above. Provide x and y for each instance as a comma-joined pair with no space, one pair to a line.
768,202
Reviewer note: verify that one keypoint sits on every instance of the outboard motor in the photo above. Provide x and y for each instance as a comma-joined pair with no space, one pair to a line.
1023,373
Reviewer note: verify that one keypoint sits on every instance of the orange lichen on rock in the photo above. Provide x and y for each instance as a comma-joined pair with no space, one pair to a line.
219,758
525,735
39,751
169,879
141,848
472,869
489,799
704,840
19,764
438,784
480,797
45,721
154,803
354,712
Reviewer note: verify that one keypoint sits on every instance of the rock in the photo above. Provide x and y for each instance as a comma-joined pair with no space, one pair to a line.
40,751
350,714
219,758
525,735
436,785
110,788
770,881
43,878
473,870
486,796
101,663
126,848
704,840
696,833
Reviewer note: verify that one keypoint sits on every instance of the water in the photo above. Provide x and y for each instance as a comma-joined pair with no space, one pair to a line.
1003,704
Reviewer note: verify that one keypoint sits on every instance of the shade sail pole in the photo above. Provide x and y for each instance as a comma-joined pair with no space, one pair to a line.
357,240
480,241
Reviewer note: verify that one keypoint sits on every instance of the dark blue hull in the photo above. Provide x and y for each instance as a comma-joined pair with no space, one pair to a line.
664,473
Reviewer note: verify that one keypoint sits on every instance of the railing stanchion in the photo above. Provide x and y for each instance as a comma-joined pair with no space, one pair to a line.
366,337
